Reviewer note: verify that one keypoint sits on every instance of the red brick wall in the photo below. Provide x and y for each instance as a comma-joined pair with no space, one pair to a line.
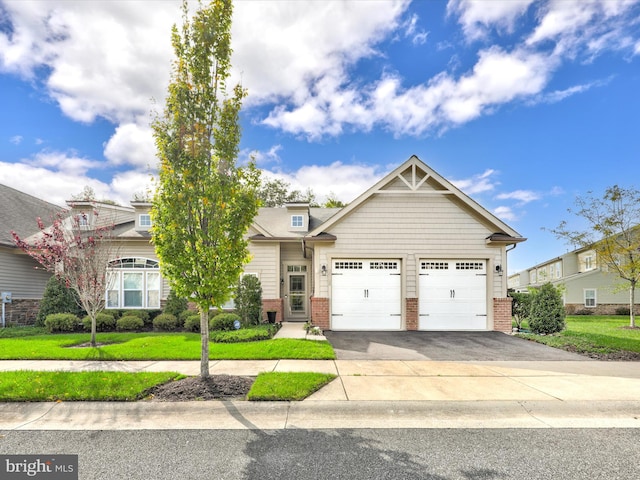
502,314
270,305
320,312
411,305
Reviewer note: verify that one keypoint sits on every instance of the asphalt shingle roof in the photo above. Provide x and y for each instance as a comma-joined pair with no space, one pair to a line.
19,211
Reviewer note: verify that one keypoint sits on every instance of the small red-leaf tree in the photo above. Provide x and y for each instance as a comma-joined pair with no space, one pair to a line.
77,251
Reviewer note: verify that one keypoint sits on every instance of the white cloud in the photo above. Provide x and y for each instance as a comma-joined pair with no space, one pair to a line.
345,181
478,183
523,196
16,139
505,213
132,144
477,17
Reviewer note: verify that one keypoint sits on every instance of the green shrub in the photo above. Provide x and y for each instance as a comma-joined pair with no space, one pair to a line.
175,305
62,322
165,322
129,323
187,313
141,314
520,307
223,321
192,322
104,322
623,311
57,298
547,312
251,334
248,300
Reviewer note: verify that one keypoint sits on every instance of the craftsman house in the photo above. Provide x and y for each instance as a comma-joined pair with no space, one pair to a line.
411,253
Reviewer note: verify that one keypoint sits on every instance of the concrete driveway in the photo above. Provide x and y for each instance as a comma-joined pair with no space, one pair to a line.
442,346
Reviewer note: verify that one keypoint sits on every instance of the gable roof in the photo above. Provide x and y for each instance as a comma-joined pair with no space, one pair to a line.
20,211
410,177
274,222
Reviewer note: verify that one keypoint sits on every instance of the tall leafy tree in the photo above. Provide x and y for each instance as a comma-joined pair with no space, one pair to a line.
205,202
613,231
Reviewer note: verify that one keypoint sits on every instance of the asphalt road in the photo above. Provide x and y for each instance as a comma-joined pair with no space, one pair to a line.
341,454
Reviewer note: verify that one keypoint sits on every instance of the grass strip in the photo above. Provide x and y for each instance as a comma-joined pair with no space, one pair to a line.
36,386
593,334
156,346
287,386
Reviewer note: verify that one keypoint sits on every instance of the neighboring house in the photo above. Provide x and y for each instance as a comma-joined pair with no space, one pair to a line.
585,283
411,253
18,273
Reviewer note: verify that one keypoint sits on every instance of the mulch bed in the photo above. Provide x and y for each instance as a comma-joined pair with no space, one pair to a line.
216,387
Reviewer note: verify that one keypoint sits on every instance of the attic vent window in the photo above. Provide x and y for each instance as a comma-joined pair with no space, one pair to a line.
297,220
145,220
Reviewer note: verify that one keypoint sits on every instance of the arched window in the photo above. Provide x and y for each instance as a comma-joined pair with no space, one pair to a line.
133,283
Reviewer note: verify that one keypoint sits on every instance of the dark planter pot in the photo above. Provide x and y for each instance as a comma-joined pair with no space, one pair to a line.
271,317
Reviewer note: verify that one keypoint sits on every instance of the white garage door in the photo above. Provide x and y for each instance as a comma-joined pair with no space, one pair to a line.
365,295
453,295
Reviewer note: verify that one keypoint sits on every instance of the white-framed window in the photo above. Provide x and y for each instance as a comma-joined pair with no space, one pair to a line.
533,276
558,269
144,220
588,263
297,220
133,283
590,299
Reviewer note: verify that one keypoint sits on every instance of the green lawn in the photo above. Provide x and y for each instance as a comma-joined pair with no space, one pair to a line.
156,346
287,386
28,386
593,334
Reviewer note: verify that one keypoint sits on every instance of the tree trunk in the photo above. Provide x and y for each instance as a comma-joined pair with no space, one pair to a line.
204,339
93,329
632,315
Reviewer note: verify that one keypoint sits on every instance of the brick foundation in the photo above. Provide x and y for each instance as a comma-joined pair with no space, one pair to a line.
411,306
502,314
320,312
21,312
272,305
602,309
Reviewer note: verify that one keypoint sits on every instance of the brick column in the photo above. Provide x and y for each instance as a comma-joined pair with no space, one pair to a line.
272,305
411,306
502,314
320,312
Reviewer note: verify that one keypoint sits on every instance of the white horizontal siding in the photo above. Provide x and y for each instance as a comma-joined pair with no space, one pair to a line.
265,258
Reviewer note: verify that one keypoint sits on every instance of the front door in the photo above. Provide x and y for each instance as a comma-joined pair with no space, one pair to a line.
296,295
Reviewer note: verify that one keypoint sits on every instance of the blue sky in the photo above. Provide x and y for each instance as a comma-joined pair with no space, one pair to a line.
521,104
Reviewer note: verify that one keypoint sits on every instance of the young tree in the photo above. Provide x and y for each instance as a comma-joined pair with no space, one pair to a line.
205,202
614,234
78,253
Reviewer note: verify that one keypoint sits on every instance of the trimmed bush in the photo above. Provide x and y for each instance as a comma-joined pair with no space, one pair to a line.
175,305
165,322
57,298
141,314
104,322
223,322
129,323
248,300
251,334
547,312
520,307
61,322
192,322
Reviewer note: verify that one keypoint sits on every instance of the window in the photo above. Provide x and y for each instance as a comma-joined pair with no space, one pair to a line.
532,275
588,262
558,269
297,220
145,220
133,283
589,297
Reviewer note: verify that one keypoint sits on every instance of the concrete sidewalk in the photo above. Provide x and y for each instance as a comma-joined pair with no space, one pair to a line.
366,394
